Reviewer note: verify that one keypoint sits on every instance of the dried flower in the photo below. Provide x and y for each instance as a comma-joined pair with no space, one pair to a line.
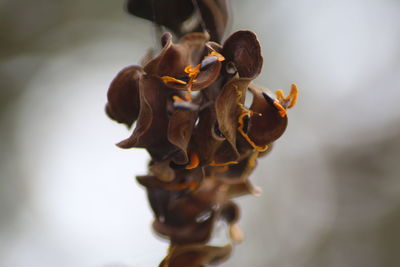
187,105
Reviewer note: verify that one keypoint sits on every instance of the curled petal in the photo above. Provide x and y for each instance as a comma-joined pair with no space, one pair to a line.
204,142
163,195
243,188
228,108
190,218
209,143
268,127
164,136
153,119
236,173
180,129
185,233
204,79
236,176
123,96
214,13
210,70
243,50
173,58
226,154
184,180
195,43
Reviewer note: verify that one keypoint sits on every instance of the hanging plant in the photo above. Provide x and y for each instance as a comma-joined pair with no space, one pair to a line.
188,105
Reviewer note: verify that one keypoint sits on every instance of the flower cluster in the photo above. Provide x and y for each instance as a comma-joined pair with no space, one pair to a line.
187,106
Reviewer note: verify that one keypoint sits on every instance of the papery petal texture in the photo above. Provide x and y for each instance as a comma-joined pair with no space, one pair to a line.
123,95
268,127
243,50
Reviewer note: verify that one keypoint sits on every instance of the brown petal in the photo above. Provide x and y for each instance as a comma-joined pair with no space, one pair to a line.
190,219
162,170
227,108
187,233
240,171
208,74
208,142
204,79
211,92
226,152
195,45
265,129
236,176
152,116
164,137
150,131
195,255
173,58
243,49
204,143
243,188
157,195
123,95
180,129
163,195
214,13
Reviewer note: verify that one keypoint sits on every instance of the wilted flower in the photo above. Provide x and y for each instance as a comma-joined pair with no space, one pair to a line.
166,114
187,105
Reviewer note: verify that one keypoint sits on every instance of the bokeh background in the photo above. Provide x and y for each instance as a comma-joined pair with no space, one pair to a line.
68,196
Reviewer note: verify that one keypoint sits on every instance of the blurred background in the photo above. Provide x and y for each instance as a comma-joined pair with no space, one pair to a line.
68,196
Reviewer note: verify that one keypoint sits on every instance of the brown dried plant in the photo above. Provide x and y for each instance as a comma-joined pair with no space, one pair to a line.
187,105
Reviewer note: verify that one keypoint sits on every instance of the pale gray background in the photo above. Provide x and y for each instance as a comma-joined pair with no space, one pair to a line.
331,186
